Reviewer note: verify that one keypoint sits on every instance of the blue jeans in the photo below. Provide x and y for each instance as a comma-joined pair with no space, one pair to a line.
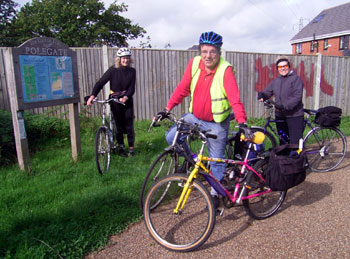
216,147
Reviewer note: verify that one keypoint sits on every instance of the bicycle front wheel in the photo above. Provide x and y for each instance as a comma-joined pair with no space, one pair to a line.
325,148
265,205
186,230
165,164
102,150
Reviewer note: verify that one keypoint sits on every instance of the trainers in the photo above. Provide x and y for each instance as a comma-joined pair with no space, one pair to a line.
131,153
121,151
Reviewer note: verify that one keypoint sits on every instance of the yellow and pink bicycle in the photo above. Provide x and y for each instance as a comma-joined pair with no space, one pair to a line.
179,212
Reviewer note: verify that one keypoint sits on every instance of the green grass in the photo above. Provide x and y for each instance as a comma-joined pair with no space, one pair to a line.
66,209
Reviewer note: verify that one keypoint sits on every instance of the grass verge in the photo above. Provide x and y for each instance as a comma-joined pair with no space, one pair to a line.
64,209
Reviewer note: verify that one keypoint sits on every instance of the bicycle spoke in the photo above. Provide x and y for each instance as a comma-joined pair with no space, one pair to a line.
102,150
325,148
183,231
165,164
264,205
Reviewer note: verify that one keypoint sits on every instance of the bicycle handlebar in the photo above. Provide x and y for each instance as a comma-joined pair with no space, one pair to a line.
96,100
270,104
153,124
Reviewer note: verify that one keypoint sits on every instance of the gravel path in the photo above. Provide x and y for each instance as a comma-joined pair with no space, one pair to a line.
313,222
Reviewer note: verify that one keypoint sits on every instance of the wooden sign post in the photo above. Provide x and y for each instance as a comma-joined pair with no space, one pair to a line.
42,72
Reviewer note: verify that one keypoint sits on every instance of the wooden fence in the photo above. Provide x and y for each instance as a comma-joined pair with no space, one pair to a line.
326,79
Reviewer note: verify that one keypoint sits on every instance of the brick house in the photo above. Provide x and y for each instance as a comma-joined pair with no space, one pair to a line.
328,33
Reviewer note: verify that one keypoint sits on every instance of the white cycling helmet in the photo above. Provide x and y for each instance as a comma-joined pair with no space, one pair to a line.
123,52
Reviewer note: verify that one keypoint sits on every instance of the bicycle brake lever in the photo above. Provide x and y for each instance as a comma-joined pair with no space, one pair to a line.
153,124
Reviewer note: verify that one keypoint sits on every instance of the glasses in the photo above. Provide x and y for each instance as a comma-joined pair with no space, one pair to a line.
211,53
281,67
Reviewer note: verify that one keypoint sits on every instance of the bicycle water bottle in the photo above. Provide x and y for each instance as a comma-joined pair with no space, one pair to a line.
284,136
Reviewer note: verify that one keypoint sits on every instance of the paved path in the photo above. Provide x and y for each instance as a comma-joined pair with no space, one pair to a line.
314,222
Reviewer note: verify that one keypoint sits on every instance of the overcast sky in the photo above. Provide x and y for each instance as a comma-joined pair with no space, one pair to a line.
246,25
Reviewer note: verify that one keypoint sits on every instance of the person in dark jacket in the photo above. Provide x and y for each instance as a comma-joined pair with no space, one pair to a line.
122,79
287,90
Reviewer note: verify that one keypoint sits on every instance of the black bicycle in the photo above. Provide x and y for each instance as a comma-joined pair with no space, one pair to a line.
174,159
325,147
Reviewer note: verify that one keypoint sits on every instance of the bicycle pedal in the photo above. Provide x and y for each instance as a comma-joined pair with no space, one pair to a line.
228,203
220,212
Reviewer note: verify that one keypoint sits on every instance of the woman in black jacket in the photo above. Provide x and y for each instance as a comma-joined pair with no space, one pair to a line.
287,89
122,79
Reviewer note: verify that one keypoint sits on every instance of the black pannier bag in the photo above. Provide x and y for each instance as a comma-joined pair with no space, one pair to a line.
329,116
285,169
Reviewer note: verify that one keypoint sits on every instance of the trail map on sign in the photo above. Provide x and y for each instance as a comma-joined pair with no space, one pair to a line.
46,78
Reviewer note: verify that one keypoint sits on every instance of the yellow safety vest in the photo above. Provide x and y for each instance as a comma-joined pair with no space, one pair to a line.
220,107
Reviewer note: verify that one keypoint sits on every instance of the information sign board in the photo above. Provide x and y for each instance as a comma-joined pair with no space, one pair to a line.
46,73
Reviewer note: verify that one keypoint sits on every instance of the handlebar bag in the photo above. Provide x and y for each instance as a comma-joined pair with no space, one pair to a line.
286,168
329,116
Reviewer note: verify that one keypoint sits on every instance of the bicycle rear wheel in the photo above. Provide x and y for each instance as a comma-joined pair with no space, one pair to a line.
188,229
325,148
165,164
266,205
102,150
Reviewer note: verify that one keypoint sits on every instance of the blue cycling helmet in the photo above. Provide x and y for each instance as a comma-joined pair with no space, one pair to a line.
211,38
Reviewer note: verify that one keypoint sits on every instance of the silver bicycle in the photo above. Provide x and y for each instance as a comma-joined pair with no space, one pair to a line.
105,137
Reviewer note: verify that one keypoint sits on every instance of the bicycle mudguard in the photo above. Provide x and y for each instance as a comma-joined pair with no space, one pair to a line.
215,184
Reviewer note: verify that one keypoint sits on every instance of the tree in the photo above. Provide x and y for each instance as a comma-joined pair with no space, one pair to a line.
7,14
77,23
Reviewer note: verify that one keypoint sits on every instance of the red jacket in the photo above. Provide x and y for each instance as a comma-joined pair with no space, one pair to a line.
201,98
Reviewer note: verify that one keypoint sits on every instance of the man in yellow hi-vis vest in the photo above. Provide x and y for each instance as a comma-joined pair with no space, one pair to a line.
214,92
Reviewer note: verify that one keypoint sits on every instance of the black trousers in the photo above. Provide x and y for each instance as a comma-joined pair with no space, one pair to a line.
292,126
124,121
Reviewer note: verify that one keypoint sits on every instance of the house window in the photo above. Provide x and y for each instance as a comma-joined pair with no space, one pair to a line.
298,48
313,45
342,42
325,44
319,18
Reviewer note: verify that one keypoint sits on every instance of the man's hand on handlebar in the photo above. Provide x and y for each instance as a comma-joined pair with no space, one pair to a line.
248,133
162,115
159,117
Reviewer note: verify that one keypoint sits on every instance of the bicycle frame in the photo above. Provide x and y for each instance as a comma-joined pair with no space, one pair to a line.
269,121
104,112
208,175
110,125
180,129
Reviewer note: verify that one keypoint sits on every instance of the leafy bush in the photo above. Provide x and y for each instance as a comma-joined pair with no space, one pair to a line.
39,128
7,139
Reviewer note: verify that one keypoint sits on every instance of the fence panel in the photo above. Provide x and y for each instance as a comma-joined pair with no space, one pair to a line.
158,72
